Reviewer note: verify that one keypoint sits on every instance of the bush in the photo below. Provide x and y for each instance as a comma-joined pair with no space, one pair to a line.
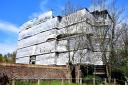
118,74
4,80
89,79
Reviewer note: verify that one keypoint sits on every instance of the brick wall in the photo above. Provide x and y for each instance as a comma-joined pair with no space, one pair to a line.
23,71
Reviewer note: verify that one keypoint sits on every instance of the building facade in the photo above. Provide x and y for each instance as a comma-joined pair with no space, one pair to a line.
50,40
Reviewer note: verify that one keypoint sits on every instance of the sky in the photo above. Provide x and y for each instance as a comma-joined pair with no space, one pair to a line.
13,13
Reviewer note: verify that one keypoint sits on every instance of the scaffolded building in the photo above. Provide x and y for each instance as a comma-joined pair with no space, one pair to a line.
50,40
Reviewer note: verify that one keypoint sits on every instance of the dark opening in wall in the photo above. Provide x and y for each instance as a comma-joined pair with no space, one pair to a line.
32,59
73,75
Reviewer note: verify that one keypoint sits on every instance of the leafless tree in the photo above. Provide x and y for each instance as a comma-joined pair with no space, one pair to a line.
110,34
74,30
106,34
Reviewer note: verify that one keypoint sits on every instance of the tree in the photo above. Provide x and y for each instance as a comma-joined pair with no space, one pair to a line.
1,58
110,35
122,52
8,58
74,31
107,33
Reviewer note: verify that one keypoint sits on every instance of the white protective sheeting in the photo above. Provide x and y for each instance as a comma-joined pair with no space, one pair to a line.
52,23
82,27
24,52
80,56
62,46
24,60
76,42
96,58
42,37
40,19
39,37
62,59
46,59
76,17
42,48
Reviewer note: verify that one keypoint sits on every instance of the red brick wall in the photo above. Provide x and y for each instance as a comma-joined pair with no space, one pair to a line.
23,71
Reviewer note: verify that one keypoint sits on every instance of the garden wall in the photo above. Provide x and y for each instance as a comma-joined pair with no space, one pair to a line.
27,71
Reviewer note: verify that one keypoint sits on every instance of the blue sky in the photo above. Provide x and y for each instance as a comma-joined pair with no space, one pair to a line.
16,12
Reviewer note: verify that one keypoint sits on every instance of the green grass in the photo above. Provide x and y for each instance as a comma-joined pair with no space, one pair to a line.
43,82
58,83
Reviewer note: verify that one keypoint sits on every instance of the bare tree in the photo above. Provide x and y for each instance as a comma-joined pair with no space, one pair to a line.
77,28
110,34
75,32
122,51
71,27
105,24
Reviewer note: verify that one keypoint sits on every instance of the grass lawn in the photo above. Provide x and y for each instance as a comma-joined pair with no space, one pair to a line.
43,82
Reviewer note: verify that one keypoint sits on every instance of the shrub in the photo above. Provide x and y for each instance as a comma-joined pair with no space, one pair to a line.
89,79
4,80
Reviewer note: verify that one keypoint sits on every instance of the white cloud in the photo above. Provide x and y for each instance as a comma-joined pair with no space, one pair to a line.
7,48
8,27
8,45
43,7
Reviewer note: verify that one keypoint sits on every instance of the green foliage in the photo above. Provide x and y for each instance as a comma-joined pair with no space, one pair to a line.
1,58
25,82
43,82
124,69
3,79
9,58
122,62
89,79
